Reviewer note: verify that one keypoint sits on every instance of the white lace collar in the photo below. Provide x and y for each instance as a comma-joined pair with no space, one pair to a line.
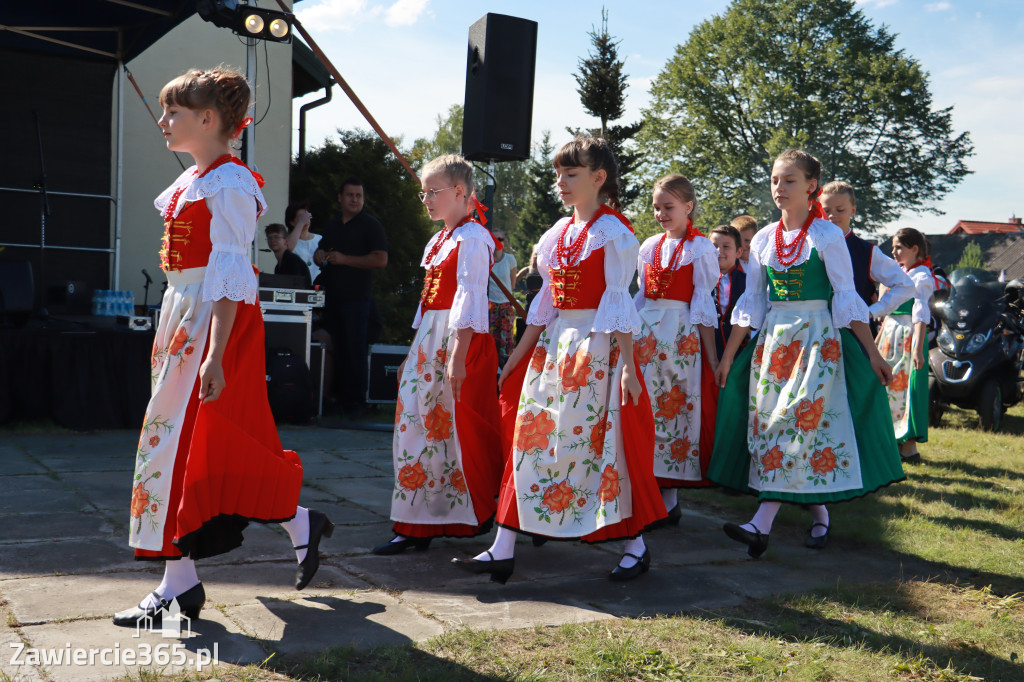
605,229
692,250
820,234
470,230
228,175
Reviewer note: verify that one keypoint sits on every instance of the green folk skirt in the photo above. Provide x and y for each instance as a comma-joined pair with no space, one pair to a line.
880,461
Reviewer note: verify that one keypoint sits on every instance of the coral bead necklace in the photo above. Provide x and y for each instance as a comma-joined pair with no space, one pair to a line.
788,253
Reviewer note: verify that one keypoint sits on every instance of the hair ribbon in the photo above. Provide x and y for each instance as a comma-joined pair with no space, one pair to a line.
480,209
241,126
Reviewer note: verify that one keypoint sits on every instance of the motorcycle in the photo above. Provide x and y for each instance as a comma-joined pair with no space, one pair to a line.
979,351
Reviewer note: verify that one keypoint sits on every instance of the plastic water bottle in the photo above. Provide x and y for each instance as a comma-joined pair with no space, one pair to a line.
130,301
96,301
108,302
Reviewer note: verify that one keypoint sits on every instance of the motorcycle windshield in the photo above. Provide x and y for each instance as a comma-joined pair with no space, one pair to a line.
975,302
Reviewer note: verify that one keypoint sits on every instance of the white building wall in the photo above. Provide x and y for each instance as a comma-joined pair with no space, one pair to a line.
149,167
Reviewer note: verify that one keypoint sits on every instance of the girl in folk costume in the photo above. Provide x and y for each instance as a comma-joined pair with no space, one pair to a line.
678,271
209,458
902,344
805,381
576,418
447,446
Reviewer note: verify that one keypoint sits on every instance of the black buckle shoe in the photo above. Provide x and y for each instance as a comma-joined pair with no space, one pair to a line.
319,525
390,548
500,569
190,603
642,565
819,541
756,542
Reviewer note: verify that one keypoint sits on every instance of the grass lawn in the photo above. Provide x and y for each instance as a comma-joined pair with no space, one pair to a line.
961,509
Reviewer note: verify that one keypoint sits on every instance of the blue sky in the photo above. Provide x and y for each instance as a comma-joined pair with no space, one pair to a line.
406,61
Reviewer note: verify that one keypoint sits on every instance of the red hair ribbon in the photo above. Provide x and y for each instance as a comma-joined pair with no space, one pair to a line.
691,231
816,210
241,126
480,209
927,262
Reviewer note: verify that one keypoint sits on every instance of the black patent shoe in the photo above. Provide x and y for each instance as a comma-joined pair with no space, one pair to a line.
190,603
389,548
817,542
500,569
319,525
756,542
642,565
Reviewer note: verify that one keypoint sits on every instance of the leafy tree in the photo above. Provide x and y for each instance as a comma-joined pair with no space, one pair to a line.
510,176
540,206
391,197
971,257
602,87
813,74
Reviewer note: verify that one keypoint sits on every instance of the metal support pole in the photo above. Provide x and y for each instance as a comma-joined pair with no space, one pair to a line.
489,192
250,130
118,199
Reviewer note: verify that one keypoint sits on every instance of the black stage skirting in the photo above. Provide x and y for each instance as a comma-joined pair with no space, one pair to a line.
81,378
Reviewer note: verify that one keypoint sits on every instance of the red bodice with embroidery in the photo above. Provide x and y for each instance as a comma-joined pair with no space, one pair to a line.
186,242
440,283
675,284
580,286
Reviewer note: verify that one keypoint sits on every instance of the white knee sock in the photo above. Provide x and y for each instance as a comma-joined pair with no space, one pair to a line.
298,531
671,497
764,517
819,514
635,546
179,576
504,546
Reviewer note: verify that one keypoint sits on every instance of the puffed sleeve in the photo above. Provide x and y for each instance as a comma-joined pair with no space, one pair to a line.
885,270
616,311
847,305
229,273
752,306
705,279
924,287
469,307
542,310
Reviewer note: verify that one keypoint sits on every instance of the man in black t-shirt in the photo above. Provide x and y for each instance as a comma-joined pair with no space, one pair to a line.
352,247
287,262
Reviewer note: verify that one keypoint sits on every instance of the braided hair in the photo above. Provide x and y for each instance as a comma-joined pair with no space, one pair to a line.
595,154
222,89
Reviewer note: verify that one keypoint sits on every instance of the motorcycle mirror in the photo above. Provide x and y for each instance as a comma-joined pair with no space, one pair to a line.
1014,290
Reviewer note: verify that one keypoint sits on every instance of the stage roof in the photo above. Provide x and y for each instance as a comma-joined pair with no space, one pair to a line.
104,30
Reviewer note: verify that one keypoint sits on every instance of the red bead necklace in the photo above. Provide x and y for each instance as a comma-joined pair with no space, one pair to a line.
444,235
788,254
657,271
569,256
173,203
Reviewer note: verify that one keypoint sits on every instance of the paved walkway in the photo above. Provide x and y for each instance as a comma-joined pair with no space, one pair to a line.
65,565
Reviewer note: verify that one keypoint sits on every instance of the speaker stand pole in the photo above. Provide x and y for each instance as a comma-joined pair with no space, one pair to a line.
44,211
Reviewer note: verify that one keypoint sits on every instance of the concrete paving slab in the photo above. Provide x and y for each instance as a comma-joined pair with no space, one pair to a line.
49,557
11,671
365,619
213,629
232,585
14,463
22,501
110,490
32,482
263,542
372,493
481,607
342,513
32,601
356,540
342,466
56,525
62,462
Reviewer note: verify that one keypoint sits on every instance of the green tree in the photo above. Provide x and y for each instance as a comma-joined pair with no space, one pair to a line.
510,176
541,207
971,257
602,84
391,197
813,74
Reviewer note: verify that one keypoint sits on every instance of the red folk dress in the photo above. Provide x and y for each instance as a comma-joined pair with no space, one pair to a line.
580,464
204,470
678,377
447,454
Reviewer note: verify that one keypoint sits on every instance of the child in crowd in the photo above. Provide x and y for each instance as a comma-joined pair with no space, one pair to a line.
804,383
576,416
209,459
747,227
903,345
732,281
870,266
301,240
677,272
447,447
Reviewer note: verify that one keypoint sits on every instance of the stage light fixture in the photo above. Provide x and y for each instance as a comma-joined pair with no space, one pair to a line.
247,20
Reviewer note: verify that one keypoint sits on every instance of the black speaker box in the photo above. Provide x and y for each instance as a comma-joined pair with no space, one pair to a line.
500,67
16,291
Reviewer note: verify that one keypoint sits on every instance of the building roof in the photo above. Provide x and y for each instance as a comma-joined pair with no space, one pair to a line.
1000,251
985,227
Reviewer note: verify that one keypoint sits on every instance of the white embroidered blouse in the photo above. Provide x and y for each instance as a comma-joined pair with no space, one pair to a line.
473,267
699,252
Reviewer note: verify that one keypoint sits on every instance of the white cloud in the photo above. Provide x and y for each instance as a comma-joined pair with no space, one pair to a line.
999,85
938,6
336,15
405,12
877,3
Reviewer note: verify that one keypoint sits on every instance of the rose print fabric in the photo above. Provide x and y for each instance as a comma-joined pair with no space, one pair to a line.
174,368
569,467
799,430
895,345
